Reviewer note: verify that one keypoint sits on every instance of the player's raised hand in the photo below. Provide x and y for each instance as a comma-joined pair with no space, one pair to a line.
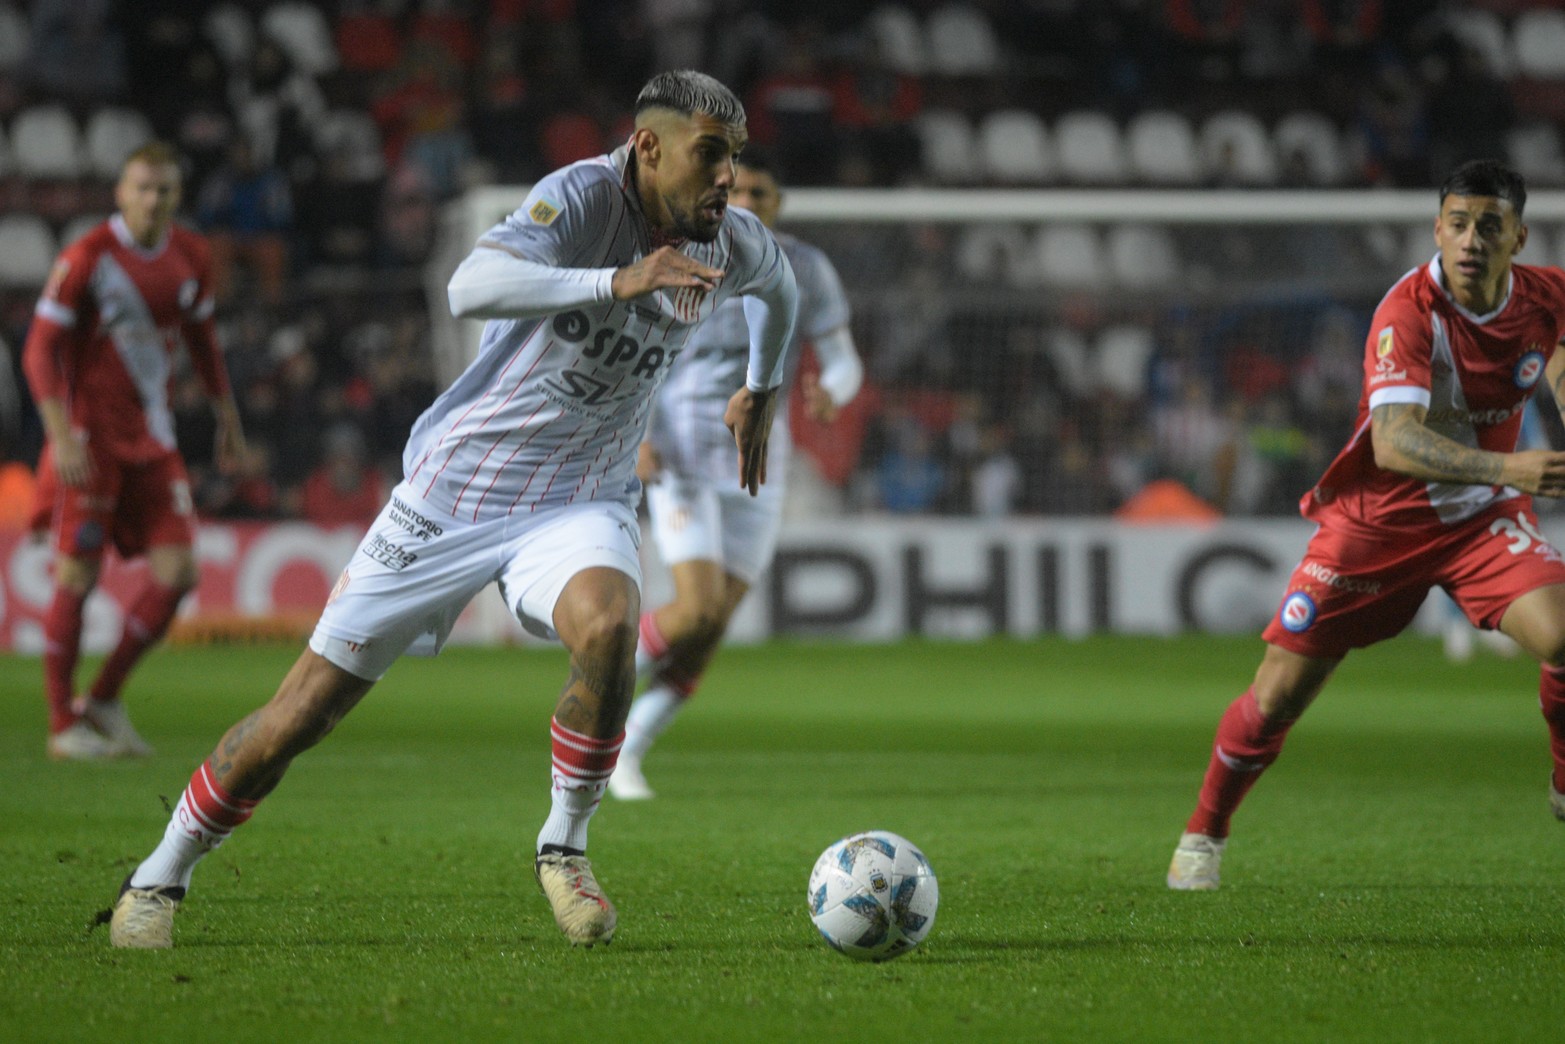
1540,472
230,442
72,463
749,417
664,267
816,400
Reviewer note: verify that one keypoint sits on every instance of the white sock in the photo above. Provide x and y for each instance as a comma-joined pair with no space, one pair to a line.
176,856
653,711
580,775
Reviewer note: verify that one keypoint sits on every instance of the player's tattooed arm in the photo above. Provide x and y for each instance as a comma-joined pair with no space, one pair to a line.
1404,444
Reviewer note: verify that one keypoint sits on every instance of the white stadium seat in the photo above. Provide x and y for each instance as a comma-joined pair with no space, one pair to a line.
1142,257
1319,142
947,145
27,249
1485,32
994,252
1538,41
46,143
1535,149
303,32
1070,256
232,32
960,42
1089,148
353,133
899,37
1161,148
1014,147
112,134
1235,146
1121,354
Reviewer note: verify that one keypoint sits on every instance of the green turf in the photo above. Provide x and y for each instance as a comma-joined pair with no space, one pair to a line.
1396,877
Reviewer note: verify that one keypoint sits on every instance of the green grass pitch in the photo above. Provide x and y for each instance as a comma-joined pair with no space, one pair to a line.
1397,876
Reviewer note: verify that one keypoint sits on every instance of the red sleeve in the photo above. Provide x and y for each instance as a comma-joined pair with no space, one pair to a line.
64,312
206,356
1397,353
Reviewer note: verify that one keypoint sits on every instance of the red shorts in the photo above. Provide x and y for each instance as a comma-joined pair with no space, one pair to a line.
136,506
1358,585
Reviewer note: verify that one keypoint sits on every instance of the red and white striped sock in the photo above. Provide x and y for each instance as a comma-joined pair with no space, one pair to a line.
1247,743
203,819
580,774
1551,694
651,646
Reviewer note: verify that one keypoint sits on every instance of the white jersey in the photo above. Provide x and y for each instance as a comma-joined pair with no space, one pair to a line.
687,428
553,408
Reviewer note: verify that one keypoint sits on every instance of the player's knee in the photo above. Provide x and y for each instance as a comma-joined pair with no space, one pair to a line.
607,635
76,575
1553,651
707,625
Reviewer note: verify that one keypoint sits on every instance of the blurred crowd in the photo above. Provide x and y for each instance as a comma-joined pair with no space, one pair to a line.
322,139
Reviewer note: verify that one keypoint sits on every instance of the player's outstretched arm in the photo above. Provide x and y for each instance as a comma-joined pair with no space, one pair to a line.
1404,444
749,417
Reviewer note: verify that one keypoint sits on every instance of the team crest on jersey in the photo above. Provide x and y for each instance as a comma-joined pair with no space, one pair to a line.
544,211
1297,612
1528,368
1387,343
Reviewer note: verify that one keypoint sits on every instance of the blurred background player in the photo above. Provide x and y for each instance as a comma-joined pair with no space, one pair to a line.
715,539
98,358
523,473
1431,491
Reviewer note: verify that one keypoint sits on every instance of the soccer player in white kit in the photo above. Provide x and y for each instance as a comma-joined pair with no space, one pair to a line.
523,472
715,540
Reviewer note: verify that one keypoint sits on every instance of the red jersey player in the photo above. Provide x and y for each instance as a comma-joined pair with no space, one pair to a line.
98,360
1430,491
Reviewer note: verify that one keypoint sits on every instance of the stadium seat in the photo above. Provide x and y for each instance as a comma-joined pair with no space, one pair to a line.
947,146
1485,32
1066,349
1316,141
1535,149
232,32
27,249
960,42
1089,148
1013,146
900,39
46,143
1235,148
994,252
1142,257
1121,354
1161,147
1070,256
353,134
303,32
112,134
15,38
1538,41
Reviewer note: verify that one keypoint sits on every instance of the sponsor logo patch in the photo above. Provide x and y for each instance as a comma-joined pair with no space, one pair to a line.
1297,612
388,554
544,211
1528,368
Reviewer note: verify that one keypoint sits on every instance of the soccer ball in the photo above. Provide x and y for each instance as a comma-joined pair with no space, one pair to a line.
873,896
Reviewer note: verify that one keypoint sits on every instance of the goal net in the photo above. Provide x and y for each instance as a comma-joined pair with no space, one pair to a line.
1058,352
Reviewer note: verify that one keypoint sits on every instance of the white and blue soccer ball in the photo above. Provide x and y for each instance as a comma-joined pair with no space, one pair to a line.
873,896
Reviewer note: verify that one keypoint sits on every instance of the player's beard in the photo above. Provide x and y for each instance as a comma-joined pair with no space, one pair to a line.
689,225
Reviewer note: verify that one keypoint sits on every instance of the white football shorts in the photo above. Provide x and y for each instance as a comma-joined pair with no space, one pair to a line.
692,520
417,568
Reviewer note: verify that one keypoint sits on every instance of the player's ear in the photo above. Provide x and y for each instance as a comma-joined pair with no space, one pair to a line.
649,149
1521,239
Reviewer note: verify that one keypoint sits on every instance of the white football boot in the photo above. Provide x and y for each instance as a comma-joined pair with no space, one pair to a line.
79,742
1196,864
581,909
144,917
627,783
1556,802
113,724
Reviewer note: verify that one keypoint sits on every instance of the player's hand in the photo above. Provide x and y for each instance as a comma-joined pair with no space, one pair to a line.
1539,472
749,417
72,463
816,400
648,463
664,267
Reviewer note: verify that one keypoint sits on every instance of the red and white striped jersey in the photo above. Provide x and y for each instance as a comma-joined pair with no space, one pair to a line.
106,326
1474,374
